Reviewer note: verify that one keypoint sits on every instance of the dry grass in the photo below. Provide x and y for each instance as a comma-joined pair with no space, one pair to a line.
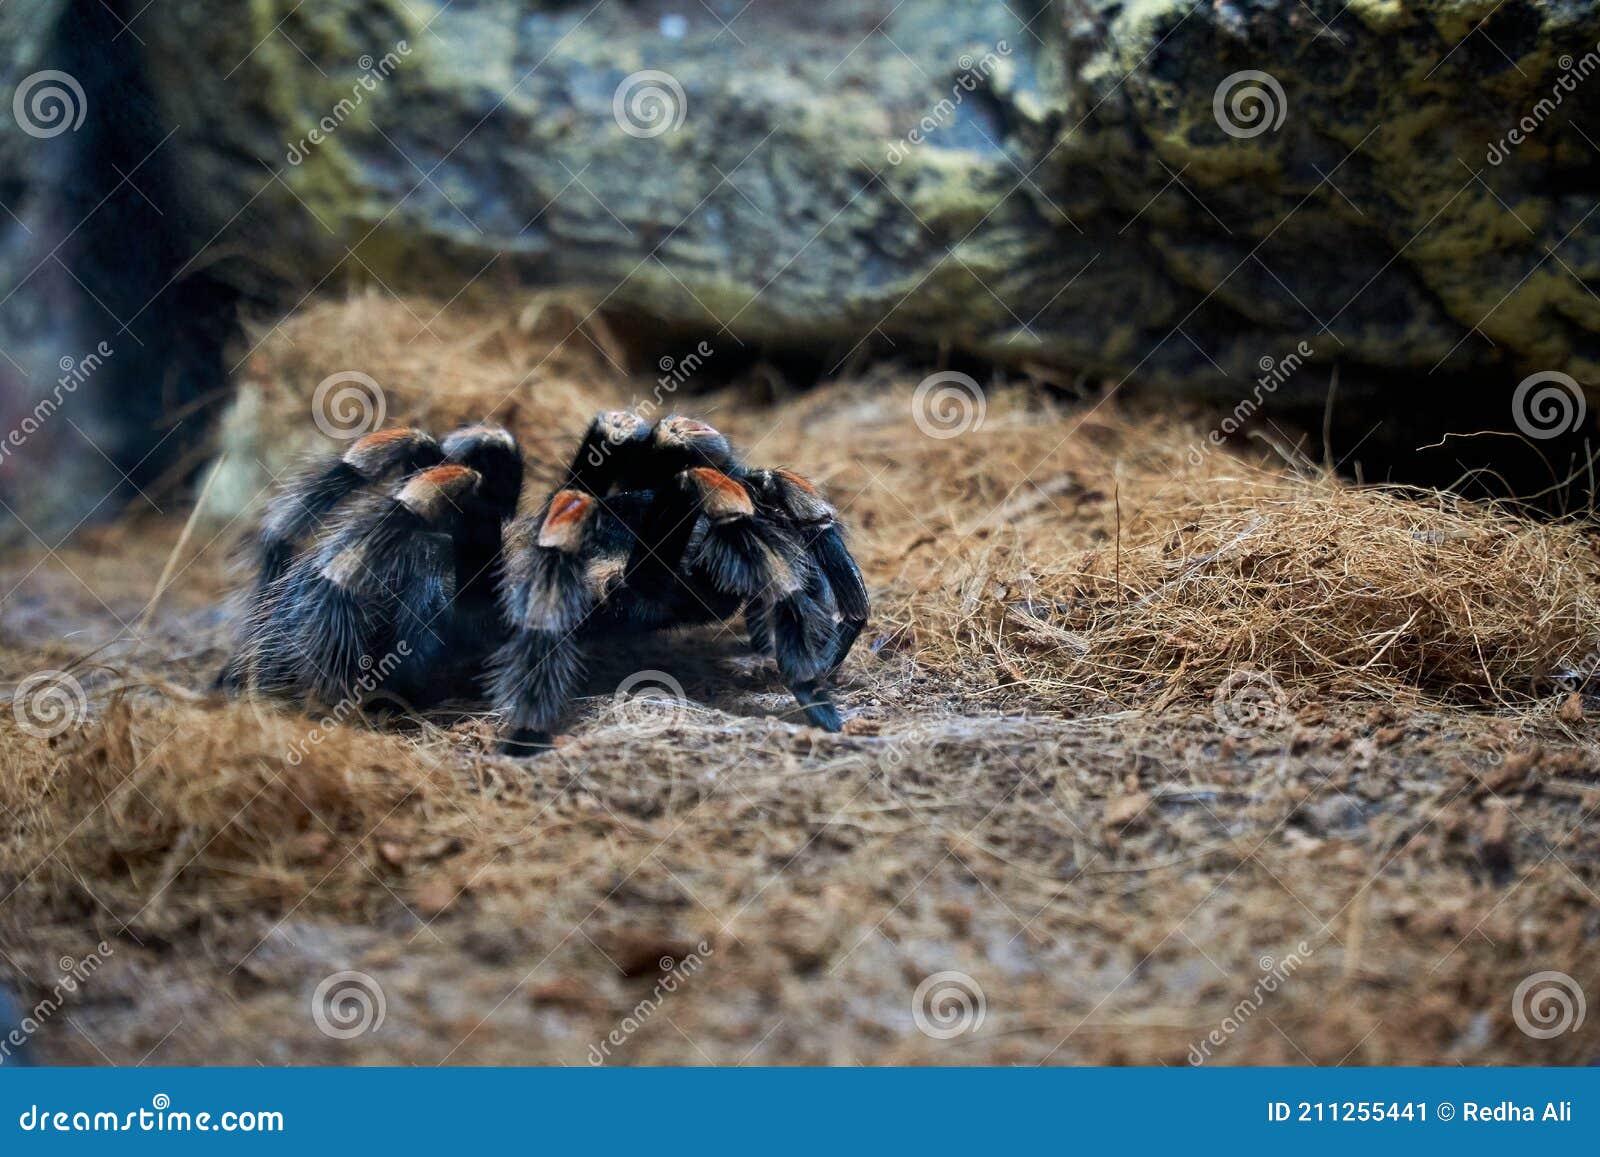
1055,776
1074,555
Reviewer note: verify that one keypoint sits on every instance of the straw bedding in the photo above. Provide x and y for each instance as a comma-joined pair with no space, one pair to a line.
1139,722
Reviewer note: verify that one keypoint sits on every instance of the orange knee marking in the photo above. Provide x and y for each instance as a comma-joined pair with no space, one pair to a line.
445,477
804,483
801,499
428,493
373,452
723,497
568,510
384,437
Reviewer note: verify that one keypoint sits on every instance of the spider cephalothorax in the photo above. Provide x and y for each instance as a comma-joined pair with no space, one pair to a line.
405,545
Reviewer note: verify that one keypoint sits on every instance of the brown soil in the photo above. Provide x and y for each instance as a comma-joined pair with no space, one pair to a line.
1147,739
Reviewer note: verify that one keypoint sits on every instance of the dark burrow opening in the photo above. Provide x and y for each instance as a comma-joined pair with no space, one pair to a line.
1471,434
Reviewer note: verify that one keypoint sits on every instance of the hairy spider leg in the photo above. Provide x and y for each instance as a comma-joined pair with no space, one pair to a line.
762,564
361,611
310,498
547,596
305,504
493,452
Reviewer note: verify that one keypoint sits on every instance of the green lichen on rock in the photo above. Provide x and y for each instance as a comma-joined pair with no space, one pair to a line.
1033,181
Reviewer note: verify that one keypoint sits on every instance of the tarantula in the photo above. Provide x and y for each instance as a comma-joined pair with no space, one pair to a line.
409,548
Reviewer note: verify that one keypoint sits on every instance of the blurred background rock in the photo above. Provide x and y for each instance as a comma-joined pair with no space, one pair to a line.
1050,188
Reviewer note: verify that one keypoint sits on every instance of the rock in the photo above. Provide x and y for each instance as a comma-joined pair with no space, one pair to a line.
1077,198
111,325
1221,199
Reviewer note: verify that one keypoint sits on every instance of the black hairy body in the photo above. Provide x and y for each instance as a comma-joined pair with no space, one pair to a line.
404,557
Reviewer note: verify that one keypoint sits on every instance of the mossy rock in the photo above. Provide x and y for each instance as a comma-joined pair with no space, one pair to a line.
1027,181
1073,197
